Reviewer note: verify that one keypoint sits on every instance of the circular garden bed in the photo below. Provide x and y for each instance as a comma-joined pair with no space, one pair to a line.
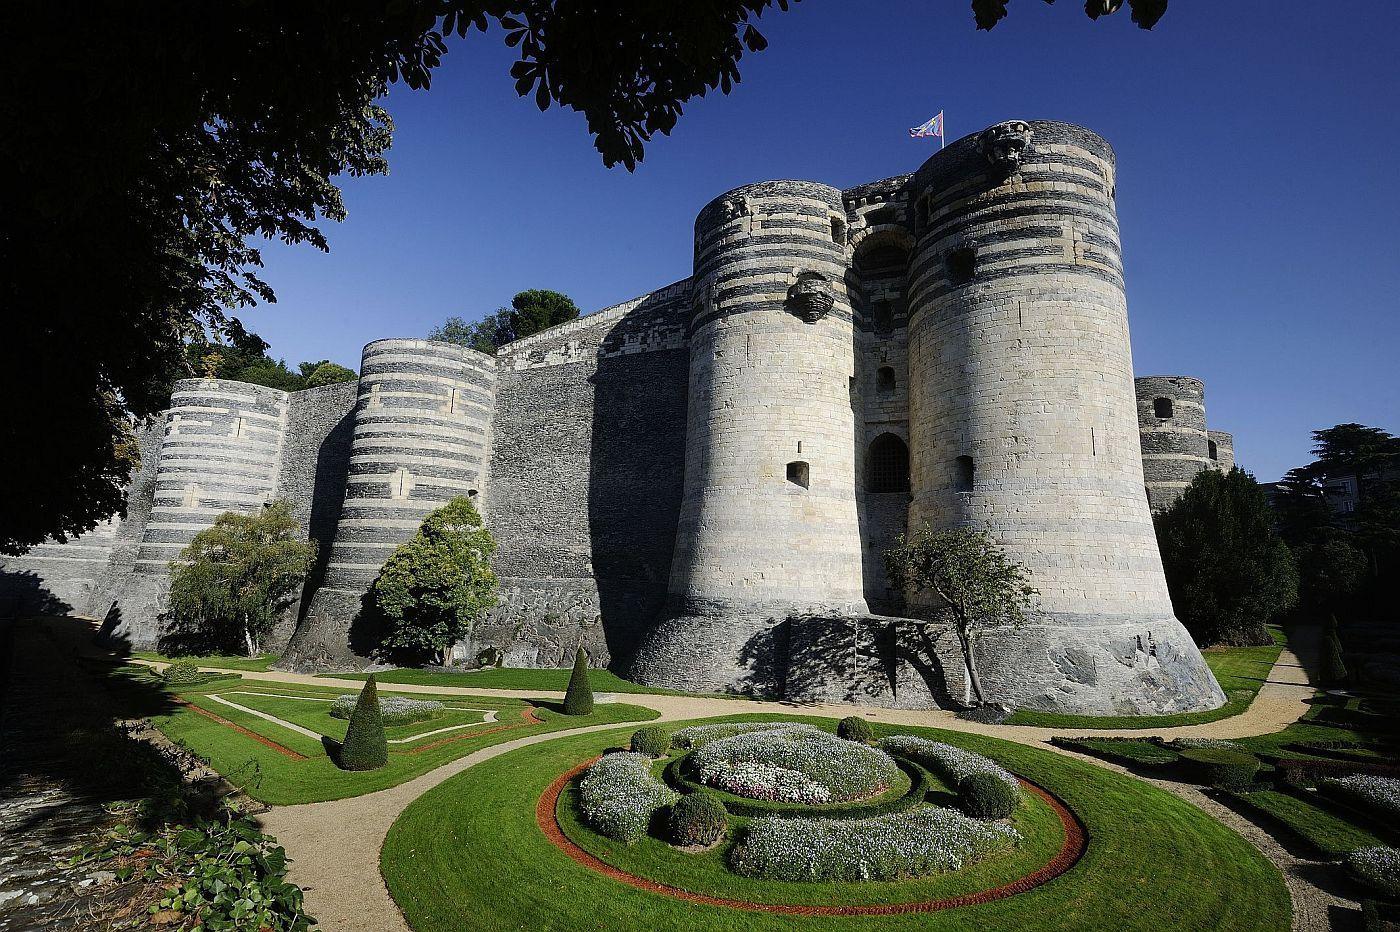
508,839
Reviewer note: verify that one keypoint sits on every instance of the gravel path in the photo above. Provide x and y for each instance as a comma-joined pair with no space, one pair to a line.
335,845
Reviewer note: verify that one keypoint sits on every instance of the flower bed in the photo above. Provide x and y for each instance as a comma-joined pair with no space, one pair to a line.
618,796
921,841
1377,795
951,763
799,764
910,789
393,710
1378,868
697,736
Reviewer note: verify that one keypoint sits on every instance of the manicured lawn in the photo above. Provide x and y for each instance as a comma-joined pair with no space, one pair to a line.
1328,834
1129,753
270,775
470,849
556,680
1241,671
225,661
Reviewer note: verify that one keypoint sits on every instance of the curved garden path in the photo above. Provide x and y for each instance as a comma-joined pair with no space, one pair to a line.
334,846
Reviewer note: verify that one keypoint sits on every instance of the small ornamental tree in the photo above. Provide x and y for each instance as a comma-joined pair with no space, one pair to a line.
365,746
1228,570
578,700
316,374
234,579
973,582
436,585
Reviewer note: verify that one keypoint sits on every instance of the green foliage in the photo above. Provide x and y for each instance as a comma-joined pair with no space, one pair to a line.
530,312
1221,767
365,746
220,875
1129,751
697,819
653,741
234,579
1334,665
1228,570
1146,13
971,577
854,728
1378,868
438,583
325,372
578,698
183,673
985,796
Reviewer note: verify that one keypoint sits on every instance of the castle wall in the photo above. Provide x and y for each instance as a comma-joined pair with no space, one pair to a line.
1021,421
586,481
1221,450
1172,423
769,523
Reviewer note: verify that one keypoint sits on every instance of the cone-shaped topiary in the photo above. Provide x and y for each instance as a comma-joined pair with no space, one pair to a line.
365,747
579,699
1334,666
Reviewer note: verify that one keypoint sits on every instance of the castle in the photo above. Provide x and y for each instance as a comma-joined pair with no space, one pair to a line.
698,485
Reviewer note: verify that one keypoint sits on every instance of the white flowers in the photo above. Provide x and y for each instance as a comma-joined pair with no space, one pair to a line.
697,736
618,795
793,763
393,710
1378,868
1378,794
952,764
888,847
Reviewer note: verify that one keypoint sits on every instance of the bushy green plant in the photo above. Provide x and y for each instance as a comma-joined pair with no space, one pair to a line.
985,796
1334,665
697,819
854,728
365,746
393,710
1221,767
653,741
1378,868
578,699
184,673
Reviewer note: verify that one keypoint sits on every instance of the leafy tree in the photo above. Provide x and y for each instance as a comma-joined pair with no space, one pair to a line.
973,579
1146,13
1228,570
366,746
325,372
438,583
578,698
529,313
234,579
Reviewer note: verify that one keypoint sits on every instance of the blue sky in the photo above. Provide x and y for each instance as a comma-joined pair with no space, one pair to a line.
1258,187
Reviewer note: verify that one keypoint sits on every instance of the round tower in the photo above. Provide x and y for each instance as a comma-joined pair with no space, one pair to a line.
421,437
1175,445
1221,450
1021,418
768,524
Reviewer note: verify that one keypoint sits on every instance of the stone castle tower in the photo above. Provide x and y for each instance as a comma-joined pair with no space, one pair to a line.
698,485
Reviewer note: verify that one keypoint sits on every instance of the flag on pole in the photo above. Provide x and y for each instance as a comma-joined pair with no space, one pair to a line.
933,127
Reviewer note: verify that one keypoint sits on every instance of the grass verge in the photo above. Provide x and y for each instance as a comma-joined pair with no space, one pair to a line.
259,664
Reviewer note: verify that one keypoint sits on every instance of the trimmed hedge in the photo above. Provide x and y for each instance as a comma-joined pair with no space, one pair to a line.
578,699
1131,752
365,746
698,819
1220,767
985,796
1380,917
1378,796
653,741
1378,868
855,728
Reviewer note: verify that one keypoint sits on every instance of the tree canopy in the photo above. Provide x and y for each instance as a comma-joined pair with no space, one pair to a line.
1145,13
529,313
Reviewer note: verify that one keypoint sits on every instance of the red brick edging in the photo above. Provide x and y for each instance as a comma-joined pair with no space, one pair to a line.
294,755
1075,844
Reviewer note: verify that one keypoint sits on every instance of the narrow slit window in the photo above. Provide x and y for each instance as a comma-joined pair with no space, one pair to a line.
838,231
1162,407
1214,450
799,472
964,475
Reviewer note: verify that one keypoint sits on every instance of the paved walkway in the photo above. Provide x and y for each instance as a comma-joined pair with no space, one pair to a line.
335,845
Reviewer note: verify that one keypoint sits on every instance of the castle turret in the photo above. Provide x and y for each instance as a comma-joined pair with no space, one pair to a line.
1175,445
769,524
421,438
1021,418
1221,450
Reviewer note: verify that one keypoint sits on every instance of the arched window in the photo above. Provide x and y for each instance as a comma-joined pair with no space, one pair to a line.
1162,407
881,259
884,380
799,473
964,475
887,465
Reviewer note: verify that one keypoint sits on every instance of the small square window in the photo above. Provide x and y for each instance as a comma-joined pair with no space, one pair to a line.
799,472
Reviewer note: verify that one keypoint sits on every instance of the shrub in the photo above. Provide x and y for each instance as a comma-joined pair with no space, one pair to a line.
184,673
697,736
987,796
888,847
952,764
1334,665
1221,767
578,699
393,710
697,819
1378,868
618,796
794,764
854,728
1186,744
365,746
653,741
1377,795
1380,917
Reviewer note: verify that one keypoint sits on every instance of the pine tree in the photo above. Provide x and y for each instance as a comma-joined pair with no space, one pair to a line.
579,698
365,747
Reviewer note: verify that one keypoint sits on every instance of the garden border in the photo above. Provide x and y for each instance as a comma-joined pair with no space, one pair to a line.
1075,844
248,732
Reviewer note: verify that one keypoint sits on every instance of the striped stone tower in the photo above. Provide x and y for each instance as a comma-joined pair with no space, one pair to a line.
768,524
422,436
1175,442
1221,450
1021,418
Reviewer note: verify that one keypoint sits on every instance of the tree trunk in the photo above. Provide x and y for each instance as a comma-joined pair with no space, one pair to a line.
965,636
248,638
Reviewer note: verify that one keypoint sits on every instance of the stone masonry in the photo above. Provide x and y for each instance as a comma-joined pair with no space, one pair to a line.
698,485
